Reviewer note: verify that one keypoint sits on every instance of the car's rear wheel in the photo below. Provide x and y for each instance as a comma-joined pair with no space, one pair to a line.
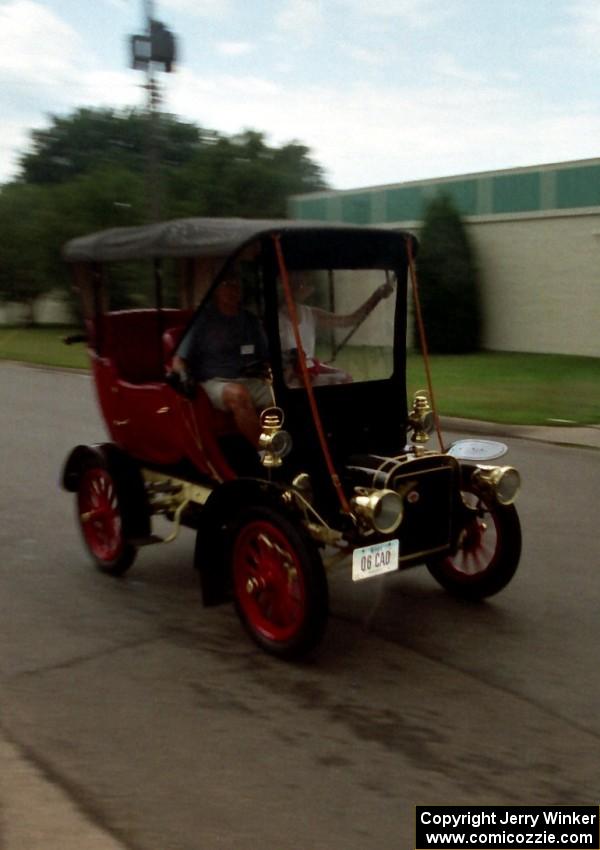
279,583
488,551
101,521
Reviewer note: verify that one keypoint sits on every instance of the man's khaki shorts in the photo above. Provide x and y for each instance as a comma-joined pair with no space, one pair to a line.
260,391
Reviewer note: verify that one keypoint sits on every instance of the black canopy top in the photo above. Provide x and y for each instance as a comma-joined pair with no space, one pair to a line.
211,237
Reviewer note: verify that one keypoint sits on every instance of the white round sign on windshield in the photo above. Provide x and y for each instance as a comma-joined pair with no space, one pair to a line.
477,449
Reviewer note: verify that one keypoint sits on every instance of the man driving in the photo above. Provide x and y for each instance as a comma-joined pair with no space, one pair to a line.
225,345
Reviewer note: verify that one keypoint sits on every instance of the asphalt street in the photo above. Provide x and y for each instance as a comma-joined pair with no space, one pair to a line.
131,717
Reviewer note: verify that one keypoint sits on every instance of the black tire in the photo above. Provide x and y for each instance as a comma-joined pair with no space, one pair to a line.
100,517
279,584
488,553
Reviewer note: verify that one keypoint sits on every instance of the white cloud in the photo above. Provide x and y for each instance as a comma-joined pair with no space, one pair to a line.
365,56
585,15
415,13
219,102
234,48
13,141
46,70
111,89
116,89
44,61
574,41
370,135
446,65
38,56
199,8
36,45
301,19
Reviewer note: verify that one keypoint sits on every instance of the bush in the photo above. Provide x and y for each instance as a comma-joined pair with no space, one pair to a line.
448,282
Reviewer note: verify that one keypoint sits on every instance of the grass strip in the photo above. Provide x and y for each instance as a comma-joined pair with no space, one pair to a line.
512,388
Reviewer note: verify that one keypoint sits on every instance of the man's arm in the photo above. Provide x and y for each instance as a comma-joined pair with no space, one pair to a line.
178,364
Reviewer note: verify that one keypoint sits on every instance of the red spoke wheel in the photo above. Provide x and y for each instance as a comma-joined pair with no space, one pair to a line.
489,548
101,521
279,584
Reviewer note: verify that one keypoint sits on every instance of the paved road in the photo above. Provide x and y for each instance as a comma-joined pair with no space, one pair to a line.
137,719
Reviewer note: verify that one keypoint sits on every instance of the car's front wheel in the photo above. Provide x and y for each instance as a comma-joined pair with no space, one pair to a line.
279,583
488,553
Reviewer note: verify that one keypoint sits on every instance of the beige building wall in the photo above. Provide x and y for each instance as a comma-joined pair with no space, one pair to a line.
541,282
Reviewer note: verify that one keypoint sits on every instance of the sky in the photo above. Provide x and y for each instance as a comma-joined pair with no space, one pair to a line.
380,91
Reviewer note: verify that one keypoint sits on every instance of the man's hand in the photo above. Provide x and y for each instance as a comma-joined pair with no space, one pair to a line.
256,369
180,379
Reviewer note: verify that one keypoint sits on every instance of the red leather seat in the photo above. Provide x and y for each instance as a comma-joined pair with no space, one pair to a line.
132,339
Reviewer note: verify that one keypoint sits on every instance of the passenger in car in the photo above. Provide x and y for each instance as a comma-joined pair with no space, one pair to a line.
310,319
226,351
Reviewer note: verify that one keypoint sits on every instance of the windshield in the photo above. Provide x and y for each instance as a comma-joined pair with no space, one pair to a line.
346,325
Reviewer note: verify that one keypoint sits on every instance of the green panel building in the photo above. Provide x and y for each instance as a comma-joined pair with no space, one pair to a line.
536,189
536,234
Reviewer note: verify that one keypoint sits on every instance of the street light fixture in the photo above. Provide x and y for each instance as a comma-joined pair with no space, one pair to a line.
155,48
153,51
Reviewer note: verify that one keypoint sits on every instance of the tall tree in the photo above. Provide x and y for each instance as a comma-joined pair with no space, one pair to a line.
25,220
88,171
448,281
201,172
91,138
242,175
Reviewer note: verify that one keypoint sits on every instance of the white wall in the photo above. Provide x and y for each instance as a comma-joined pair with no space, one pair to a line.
51,309
541,282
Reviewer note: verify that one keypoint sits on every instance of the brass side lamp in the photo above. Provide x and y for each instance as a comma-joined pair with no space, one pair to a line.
273,441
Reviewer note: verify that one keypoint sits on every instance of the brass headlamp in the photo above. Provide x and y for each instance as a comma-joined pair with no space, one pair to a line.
503,482
382,510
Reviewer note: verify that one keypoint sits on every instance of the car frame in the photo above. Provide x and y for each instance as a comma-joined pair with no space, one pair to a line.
359,479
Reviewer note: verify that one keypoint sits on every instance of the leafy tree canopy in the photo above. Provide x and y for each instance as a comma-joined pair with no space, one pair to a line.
218,166
89,170
24,217
91,138
244,176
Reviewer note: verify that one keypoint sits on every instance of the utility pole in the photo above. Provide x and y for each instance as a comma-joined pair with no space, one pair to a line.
153,51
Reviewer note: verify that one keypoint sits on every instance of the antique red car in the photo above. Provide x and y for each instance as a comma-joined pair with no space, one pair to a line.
341,466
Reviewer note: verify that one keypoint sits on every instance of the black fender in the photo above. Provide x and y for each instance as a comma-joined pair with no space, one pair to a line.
126,473
215,521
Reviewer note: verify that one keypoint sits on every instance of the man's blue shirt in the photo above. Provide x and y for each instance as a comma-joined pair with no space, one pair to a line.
221,346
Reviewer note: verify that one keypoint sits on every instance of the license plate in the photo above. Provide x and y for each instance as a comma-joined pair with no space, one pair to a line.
375,560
